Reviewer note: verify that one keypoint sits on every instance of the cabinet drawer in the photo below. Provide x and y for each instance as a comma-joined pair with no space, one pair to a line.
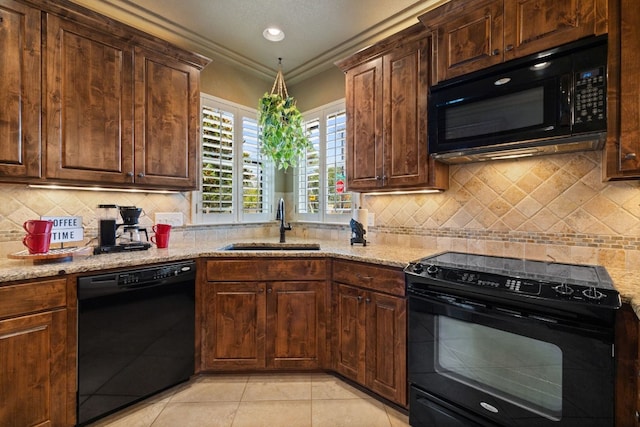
30,297
266,269
383,279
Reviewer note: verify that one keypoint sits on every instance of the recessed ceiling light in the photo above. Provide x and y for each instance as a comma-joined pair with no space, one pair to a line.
273,34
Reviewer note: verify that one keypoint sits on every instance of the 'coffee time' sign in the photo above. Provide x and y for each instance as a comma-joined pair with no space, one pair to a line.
66,228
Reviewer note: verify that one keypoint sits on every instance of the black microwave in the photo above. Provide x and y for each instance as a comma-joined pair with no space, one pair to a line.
550,102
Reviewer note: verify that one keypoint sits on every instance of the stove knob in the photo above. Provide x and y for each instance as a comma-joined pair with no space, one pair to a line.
432,269
563,289
593,294
418,268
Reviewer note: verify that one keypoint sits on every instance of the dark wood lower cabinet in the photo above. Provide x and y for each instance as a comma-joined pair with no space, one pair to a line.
274,314
627,368
370,340
234,326
250,321
35,377
296,325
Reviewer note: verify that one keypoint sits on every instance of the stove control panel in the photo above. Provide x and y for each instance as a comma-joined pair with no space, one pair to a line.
490,283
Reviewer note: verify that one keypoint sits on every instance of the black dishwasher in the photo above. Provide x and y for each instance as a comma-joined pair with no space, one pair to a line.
135,335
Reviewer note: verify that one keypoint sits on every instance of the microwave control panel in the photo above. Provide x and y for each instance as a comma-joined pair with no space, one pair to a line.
590,97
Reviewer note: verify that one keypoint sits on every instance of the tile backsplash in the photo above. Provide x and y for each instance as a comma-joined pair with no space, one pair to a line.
19,203
551,207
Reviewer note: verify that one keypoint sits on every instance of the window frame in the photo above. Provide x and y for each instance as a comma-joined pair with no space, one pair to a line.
321,113
237,214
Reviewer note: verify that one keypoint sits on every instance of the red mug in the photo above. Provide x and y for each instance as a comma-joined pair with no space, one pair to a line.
161,228
37,226
37,243
161,240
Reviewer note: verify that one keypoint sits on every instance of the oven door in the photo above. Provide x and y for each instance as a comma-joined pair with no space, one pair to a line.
510,367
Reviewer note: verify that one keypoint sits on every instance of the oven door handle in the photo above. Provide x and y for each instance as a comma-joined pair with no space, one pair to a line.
449,302
486,309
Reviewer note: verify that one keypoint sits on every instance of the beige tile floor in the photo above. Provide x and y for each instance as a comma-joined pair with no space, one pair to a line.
269,400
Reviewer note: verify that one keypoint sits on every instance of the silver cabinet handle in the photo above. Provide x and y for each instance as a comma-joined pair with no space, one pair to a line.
495,52
630,156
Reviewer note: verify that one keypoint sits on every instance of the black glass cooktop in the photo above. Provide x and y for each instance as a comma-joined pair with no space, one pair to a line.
585,275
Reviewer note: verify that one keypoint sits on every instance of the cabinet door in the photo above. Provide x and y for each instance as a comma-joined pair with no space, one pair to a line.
19,90
406,79
469,39
89,105
296,327
627,342
623,96
364,126
534,25
167,100
350,332
32,361
233,325
386,346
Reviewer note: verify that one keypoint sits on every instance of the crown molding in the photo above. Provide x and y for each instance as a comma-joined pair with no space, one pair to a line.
138,17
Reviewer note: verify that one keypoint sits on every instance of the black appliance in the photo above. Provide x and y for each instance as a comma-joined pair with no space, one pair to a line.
131,237
550,102
509,342
136,333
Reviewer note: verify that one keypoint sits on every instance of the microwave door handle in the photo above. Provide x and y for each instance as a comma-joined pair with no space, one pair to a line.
565,101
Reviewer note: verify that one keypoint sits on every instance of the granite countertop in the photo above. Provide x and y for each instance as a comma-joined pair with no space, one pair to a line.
395,256
625,281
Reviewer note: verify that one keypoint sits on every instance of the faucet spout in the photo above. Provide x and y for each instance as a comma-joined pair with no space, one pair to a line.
280,217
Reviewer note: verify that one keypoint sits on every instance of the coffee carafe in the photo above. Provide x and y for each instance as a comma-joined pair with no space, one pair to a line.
132,232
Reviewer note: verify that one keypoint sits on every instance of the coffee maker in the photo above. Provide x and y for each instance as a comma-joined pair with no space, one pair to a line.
130,238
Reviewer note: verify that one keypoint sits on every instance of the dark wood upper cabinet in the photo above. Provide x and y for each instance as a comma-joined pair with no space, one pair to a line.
622,150
89,104
469,36
386,102
20,91
121,107
167,121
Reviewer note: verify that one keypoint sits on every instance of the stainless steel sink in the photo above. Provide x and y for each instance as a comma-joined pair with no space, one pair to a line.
269,246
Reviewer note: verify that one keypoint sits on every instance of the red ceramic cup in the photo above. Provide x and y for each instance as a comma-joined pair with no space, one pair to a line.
37,226
37,243
161,240
161,228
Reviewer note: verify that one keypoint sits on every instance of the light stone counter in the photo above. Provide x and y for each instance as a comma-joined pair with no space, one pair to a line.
12,270
626,282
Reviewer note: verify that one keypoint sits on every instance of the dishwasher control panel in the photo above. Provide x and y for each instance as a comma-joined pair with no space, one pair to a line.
110,283
160,273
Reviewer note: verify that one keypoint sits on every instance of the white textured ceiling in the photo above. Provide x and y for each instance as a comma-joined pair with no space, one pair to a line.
318,32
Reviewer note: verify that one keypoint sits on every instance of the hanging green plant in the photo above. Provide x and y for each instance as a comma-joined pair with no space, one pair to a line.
284,139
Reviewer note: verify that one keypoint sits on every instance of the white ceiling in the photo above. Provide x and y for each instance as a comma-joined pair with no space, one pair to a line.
317,32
